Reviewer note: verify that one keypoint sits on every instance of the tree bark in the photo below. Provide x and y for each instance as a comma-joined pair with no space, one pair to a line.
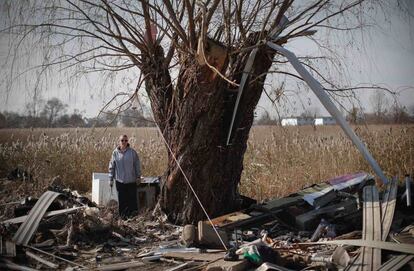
194,117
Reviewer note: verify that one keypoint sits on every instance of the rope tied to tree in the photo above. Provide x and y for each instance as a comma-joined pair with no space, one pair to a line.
191,187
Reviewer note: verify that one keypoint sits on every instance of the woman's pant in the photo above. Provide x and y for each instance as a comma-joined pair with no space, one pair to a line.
127,199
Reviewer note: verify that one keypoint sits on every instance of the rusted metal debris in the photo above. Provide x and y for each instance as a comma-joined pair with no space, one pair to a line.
345,223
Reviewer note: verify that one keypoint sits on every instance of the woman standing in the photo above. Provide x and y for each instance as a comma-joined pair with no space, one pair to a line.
125,169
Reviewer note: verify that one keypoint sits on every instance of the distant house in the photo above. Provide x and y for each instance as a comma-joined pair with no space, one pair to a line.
289,122
299,121
325,121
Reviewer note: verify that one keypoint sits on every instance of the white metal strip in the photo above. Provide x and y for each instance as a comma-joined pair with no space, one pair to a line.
330,106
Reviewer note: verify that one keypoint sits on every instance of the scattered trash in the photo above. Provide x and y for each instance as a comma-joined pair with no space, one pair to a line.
337,224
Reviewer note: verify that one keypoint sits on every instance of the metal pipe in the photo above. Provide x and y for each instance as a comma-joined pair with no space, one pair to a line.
408,189
330,107
246,72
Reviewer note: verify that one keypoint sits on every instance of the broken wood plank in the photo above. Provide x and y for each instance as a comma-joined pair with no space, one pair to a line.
372,220
55,256
388,208
387,211
229,218
21,219
391,246
182,266
253,220
117,266
41,260
396,262
194,256
369,258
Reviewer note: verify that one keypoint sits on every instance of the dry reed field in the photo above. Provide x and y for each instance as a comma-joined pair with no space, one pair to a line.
278,160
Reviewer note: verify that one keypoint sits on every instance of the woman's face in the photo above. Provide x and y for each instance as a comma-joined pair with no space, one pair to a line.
123,142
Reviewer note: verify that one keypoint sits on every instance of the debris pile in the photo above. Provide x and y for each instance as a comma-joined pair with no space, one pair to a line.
343,223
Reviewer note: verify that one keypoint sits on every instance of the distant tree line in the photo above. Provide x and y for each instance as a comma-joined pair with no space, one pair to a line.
395,115
383,112
53,113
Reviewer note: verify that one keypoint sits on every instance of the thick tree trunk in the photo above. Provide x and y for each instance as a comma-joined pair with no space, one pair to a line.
195,119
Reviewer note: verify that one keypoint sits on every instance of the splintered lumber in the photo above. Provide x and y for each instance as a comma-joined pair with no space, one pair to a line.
21,219
391,246
229,218
29,226
41,260
117,266
396,262
372,223
194,256
55,256
183,266
388,208
387,215
369,258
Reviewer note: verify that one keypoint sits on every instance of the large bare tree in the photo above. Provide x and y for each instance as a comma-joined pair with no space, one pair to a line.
189,57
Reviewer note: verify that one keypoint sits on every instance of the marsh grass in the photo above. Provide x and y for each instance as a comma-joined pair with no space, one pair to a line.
278,160
72,155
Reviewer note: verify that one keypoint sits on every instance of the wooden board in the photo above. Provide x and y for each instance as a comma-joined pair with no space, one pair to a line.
118,266
388,208
396,262
369,258
391,246
21,219
194,256
229,218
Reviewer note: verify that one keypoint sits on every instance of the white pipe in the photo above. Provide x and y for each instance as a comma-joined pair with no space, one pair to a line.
246,73
408,189
330,106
